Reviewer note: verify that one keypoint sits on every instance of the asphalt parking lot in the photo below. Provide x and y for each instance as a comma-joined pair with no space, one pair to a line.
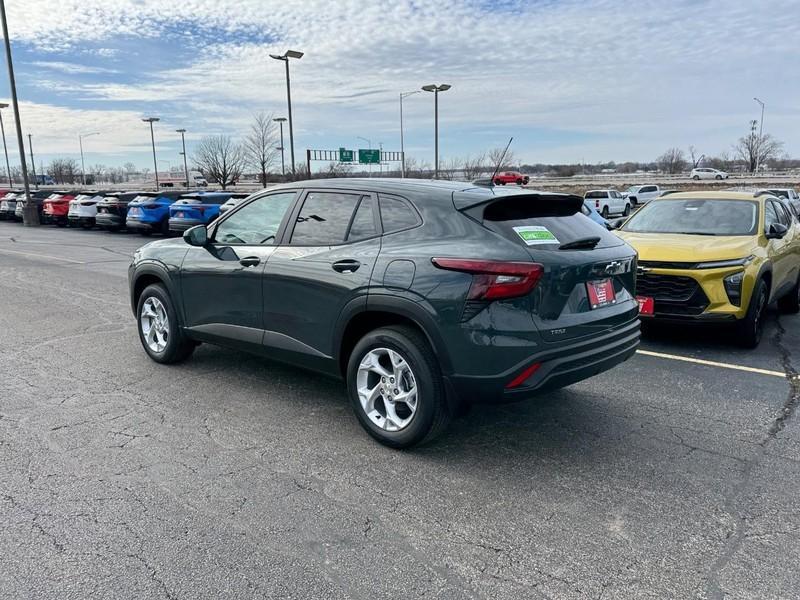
230,476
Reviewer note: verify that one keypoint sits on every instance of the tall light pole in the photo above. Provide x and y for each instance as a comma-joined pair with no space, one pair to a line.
5,148
402,147
185,165
369,147
80,143
436,89
33,162
285,58
30,214
281,121
152,120
760,138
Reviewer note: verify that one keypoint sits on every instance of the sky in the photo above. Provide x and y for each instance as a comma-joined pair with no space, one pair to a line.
570,80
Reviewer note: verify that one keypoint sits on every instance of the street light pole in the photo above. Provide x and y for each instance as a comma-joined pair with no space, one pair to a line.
185,165
402,147
152,120
30,214
5,147
436,89
280,121
33,162
760,138
80,143
285,58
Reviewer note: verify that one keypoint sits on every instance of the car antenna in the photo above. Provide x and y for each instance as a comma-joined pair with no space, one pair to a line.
490,181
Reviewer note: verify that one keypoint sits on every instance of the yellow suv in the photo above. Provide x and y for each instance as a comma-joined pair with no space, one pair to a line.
716,256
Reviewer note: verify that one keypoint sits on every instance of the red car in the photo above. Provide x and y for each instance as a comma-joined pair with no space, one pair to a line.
511,177
55,208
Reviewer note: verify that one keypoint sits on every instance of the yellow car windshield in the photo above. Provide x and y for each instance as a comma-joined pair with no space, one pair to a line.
696,217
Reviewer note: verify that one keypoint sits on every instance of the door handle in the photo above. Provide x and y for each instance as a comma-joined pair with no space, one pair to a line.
346,266
250,261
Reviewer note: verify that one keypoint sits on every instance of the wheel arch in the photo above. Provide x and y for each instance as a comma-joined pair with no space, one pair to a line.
149,274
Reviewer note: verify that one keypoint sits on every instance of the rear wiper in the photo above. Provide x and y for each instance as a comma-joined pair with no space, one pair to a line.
587,242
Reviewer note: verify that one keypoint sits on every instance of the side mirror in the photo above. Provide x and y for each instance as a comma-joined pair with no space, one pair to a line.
616,223
196,236
777,231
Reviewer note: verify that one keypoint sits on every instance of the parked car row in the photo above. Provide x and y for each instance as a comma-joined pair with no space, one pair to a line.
162,212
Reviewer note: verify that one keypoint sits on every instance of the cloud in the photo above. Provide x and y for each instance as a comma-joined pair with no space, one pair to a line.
71,68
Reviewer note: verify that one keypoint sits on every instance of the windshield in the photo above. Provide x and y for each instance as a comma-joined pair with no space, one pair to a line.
697,217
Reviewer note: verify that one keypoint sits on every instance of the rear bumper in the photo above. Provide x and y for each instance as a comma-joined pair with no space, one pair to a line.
139,225
109,220
81,220
183,224
558,368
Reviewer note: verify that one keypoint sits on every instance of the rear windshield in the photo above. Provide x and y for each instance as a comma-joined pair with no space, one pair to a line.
696,217
208,199
544,225
596,195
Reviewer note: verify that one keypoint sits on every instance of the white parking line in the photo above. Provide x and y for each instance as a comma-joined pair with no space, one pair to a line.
77,262
711,363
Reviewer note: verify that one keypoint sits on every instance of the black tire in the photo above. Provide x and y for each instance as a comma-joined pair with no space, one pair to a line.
432,410
696,177
751,327
165,232
605,212
520,182
790,303
634,202
627,210
178,346
718,178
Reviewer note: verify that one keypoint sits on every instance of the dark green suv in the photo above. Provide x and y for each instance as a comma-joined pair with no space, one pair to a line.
421,294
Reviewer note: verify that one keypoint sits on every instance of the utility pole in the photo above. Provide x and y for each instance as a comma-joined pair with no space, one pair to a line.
33,162
280,121
30,214
760,135
436,89
5,147
80,143
285,58
185,165
152,120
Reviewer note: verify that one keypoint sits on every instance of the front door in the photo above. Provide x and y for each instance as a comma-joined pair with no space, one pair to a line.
222,282
325,262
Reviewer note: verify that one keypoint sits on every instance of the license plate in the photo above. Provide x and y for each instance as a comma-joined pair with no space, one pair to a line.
601,293
179,215
646,306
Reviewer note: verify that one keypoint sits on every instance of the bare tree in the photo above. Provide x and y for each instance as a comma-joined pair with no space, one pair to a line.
338,169
63,170
449,168
755,149
219,158
261,145
696,158
472,167
130,169
672,161
494,155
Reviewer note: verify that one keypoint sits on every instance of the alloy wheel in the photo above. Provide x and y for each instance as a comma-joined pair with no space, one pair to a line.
387,389
155,324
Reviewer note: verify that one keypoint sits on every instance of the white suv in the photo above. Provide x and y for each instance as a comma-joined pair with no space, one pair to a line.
707,173
609,202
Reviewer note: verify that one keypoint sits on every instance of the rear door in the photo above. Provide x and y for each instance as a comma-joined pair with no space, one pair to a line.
324,262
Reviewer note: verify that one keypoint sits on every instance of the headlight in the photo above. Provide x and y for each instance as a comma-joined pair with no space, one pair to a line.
733,287
717,264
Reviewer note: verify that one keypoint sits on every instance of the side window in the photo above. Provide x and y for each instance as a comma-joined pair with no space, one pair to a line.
324,219
784,215
363,225
257,222
770,216
396,214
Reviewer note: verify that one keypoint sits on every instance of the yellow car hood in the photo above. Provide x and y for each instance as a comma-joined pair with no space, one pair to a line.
678,247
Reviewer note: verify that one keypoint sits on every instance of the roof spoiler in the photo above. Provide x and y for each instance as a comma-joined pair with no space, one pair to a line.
555,203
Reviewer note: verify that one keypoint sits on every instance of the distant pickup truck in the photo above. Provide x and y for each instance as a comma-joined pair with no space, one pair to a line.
176,179
642,194
505,177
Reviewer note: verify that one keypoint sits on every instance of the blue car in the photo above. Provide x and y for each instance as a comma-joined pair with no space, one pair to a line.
197,208
590,211
149,212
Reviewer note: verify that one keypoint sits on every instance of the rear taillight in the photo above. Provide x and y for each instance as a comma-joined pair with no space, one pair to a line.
495,280
597,204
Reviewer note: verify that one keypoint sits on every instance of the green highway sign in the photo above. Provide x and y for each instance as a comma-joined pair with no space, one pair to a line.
369,157
345,155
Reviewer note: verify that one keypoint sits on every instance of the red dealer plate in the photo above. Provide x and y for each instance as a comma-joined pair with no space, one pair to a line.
601,293
646,306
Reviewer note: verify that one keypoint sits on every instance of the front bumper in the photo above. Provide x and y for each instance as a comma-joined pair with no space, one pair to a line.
183,224
558,367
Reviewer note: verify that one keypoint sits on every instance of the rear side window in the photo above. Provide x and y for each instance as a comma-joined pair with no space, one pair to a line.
397,214
363,225
596,195
324,219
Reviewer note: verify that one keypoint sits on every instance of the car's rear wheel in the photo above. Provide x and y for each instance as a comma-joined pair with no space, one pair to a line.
520,182
751,327
396,388
696,177
718,178
605,212
790,303
159,329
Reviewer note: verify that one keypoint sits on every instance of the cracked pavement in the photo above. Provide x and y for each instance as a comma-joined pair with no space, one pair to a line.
230,476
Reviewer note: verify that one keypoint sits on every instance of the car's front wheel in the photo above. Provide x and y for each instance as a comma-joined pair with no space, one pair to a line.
696,177
718,177
159,329
627,210
396,388
751,327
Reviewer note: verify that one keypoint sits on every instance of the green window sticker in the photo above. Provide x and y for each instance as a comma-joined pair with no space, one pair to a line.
535,234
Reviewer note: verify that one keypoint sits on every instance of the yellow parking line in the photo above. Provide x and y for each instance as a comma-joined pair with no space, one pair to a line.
77,262
711,363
